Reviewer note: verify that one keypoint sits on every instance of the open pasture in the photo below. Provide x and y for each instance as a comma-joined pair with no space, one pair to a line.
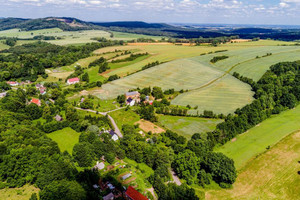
223,96
65,138
179,74
272,175
23,193
250,144
187,126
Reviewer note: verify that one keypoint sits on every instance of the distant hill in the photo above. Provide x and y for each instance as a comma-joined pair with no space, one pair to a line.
132,24
64,23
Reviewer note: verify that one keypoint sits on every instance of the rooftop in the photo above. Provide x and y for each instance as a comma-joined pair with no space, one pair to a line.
134,194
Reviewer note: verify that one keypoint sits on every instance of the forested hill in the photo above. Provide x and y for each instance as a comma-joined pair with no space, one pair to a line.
64,23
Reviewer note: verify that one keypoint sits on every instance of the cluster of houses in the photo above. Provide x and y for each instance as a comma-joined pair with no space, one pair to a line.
15,83
129,194
41,88
134,97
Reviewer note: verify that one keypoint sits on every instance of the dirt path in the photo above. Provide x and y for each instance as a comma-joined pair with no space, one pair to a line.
117,130
175,178
151,190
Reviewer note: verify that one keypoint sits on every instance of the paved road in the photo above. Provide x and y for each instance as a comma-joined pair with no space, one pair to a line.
117,130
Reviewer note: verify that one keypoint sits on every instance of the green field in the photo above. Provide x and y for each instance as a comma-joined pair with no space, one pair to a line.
179,74
72,37
223,96
65,138
272,175
187,126
256,140
124,117
23,193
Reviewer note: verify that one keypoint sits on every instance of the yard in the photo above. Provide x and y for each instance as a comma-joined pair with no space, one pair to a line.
23,193
124,117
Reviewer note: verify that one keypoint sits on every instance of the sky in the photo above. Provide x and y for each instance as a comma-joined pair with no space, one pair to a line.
282,12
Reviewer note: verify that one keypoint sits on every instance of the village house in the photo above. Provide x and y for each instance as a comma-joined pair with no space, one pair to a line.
126,176
133,194
99,166
12,83
110,196
114,136
132,98
36,101
58,118
72,81
43,90
3,94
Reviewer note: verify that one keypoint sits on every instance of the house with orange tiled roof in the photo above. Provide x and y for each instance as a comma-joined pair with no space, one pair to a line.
133,194
36,101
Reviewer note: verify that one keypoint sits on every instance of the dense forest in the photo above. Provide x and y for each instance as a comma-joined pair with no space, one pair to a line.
28,61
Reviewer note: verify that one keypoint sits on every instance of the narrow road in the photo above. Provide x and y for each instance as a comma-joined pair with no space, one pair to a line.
117,130
175,178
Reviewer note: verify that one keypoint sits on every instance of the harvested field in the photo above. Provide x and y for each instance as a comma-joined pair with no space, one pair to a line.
147,126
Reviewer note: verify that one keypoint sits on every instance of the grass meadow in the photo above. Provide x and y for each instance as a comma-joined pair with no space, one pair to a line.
271,175
187,126
65,138
124,117
23,193
255,141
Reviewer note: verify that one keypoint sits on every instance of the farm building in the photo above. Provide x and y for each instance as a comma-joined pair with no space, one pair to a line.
12,83
133,194
72,81
132,97
36,101
114,136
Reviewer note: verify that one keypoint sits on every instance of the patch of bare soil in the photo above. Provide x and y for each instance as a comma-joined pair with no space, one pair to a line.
147,126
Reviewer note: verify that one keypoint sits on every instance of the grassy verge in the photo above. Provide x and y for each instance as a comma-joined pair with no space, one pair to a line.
124,117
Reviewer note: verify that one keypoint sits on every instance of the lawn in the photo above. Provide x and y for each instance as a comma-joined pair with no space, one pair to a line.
124,117
255,141
187,126
65,138
272,175
223,96
23,193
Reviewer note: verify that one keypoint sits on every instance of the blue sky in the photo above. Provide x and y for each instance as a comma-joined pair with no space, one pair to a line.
193,11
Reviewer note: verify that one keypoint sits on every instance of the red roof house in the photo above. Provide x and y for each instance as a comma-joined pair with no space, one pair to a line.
36,101
133,194
73,81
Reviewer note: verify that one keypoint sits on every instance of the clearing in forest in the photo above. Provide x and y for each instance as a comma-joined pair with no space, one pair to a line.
65,138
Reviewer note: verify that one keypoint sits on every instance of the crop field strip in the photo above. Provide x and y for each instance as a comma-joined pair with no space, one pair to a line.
223,96
269,132
273,174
